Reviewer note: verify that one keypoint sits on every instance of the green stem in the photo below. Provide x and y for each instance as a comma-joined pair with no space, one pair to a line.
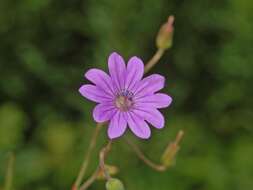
91,179
9,172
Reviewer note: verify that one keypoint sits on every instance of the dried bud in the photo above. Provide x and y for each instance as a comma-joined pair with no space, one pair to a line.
169,155
112,170
170,152
114,184
165,35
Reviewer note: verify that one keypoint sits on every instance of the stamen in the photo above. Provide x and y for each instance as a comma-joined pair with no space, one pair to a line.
126,93
124,100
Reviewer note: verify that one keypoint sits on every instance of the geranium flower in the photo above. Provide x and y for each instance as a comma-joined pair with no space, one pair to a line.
124,98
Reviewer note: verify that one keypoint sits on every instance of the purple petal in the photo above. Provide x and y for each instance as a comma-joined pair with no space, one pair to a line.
149,85
117,125
135,70
138,126
158,100
100,79
117,69
151,115
94,93
103,112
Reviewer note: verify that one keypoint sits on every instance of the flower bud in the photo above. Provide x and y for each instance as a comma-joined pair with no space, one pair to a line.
112,170
114,184
165,35
169,154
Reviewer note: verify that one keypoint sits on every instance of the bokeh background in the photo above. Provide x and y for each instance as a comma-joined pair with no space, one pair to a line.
45,48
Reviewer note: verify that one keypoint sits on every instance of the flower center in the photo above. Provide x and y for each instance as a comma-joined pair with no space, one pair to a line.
124,100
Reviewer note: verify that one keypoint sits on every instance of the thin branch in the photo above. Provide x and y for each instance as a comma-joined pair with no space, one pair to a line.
153,61
102,155
9,172
91,179
179,137
86,160
140,154
171,150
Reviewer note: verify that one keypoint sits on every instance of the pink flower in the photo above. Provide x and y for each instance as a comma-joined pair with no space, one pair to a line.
124,98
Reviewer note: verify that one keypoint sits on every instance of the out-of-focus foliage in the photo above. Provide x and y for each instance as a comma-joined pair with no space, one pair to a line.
45,48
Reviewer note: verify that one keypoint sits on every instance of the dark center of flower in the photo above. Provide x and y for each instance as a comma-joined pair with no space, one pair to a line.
124,100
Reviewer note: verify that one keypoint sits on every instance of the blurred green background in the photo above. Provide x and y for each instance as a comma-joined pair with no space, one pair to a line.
47,45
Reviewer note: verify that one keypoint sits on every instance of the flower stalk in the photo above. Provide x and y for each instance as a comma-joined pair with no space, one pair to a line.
154,60
103,153
167,157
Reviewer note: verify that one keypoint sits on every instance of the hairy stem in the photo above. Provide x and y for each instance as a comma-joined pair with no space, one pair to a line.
86,160
9,172
153,61
172,149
